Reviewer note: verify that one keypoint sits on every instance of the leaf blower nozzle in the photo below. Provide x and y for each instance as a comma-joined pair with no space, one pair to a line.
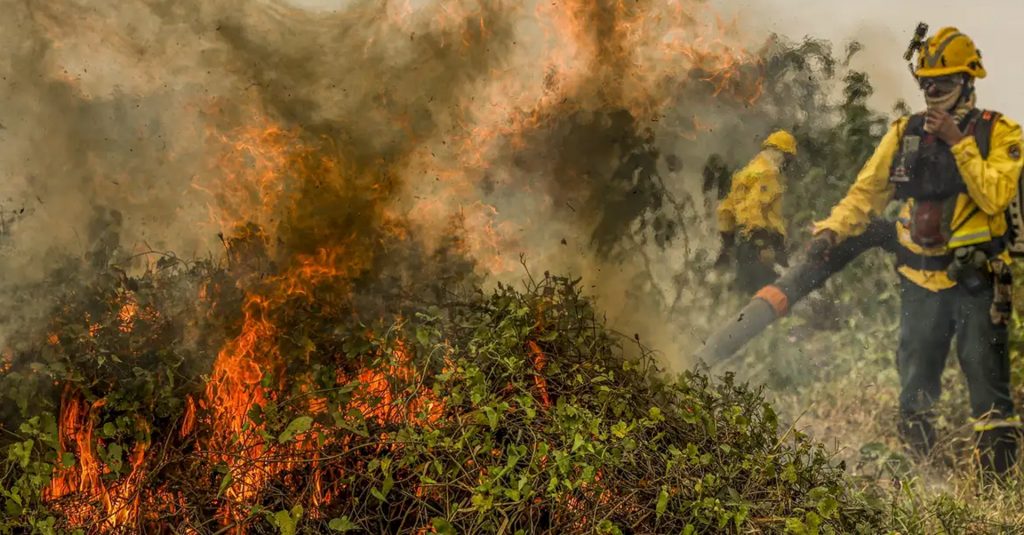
775,300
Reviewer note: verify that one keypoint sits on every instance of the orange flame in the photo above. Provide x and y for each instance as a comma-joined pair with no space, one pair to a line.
249,370
637,63
119,502
539,361
126,316
588,56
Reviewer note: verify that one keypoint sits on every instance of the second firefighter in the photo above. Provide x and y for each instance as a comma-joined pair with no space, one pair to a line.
750,217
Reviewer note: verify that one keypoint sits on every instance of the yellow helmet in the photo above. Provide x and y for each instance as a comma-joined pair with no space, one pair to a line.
782,140
949,52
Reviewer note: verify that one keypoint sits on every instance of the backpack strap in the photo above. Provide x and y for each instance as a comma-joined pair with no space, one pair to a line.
1014,237
982,130
915,125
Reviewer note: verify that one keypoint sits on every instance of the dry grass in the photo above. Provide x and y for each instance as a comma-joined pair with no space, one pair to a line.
841,387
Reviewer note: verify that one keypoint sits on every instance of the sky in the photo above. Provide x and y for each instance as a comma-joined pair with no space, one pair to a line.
885,28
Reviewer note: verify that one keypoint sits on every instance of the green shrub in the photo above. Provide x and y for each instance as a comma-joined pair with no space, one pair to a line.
514,411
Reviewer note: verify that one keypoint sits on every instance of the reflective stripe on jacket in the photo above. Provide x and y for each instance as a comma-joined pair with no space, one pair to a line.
978,216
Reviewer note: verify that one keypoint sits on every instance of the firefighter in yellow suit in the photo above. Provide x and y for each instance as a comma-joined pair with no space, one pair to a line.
955,169
750,217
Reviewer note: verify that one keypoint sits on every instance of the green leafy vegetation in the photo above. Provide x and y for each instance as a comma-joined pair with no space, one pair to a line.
449,409
830,366
581,440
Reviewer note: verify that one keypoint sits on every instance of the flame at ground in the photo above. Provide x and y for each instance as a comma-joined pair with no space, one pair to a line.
250,372
118,502
612,55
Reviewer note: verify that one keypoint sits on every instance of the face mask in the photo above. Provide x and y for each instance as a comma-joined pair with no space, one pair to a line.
944,102
942,93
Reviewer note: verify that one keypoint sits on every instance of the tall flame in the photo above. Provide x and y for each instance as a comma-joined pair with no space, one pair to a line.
249,371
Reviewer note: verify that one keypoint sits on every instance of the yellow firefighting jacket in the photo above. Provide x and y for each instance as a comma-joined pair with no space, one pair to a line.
978,216
755,199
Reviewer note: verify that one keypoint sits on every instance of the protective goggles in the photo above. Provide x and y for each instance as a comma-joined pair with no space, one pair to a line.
942,84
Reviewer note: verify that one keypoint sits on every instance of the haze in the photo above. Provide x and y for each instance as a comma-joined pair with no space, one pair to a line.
884,27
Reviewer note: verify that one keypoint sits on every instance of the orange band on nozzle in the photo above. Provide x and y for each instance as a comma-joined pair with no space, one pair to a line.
774,297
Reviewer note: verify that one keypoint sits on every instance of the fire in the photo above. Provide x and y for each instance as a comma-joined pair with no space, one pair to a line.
249,371
377,399
539,361
234,390
238,385
188,421
126,316
251,182
92,500
588,57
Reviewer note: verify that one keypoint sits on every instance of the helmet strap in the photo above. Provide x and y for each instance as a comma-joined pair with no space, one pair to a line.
967,90
966,101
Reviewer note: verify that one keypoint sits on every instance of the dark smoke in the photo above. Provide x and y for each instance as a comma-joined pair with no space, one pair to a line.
572,132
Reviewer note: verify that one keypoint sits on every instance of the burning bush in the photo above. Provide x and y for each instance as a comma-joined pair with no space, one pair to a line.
514,411
339,367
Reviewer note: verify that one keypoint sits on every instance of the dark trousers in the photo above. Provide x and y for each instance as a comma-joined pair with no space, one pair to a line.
752,273
929,321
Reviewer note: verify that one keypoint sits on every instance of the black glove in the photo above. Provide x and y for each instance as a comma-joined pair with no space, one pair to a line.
820,246
781,256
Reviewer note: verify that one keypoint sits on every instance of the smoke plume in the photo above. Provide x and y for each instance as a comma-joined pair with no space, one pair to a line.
571,134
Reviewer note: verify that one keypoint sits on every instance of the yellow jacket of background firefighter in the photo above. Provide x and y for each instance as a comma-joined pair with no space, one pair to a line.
755,198
978,215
